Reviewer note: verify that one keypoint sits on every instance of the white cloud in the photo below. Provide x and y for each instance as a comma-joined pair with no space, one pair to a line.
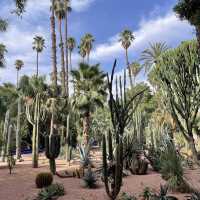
168,29
81,5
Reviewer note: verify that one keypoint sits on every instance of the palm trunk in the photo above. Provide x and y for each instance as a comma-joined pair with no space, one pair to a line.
88,58
37,64
86,128
63,74
18,135
66,53
17,79
129,69
70,60
54,58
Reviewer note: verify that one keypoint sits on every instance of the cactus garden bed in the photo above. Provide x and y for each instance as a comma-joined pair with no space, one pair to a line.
20,185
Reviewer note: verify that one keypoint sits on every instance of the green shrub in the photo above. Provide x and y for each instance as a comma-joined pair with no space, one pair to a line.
171,168
89,179
51,192
43,179
125,196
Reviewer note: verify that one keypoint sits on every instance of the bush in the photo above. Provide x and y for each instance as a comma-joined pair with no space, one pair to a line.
43,179
125,196
51,192
89,179
171,168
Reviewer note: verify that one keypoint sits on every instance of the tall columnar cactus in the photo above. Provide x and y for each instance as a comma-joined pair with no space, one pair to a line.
121,110
18,135
52,150
5,135
34,119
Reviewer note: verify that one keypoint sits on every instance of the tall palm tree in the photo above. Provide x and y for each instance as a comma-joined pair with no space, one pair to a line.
38,46
20,7
126,38
60,14
90,93
190,10
150,55
82,51
88,40
71,42
135,70
18,65
3,50
67,10
53,49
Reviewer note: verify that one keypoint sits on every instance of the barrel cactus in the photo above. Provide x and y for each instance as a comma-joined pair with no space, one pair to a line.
43,179
52,150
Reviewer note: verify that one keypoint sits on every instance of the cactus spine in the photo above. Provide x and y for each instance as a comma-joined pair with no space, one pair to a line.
121,111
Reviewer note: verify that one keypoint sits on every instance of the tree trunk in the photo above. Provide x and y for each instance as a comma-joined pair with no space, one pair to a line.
198,38
18,135
66,53
63,74
17,79
8,150
86,128
192,147
88,58
129,69
37,60
70,60
54,58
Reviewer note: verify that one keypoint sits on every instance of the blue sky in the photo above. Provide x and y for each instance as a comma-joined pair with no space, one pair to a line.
150,21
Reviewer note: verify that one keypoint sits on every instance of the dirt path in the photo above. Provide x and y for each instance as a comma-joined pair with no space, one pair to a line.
20,185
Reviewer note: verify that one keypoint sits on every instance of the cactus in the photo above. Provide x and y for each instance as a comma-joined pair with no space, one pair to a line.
34,120
52,150
43,179
121,110
18,137
5,135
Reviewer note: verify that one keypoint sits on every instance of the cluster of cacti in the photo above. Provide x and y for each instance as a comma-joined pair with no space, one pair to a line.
5,136
121,110
52,150
43,179
34,120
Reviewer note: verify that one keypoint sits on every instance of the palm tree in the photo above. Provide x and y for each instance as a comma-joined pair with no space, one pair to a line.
20,7
3,50
82,51
60,14
18,65
90,93
126,38
38,46
190,10
135,70
150,55
67,10
71,42
87,41
3,25
53,49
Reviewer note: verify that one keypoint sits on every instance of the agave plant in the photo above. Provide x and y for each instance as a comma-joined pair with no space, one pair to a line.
90,179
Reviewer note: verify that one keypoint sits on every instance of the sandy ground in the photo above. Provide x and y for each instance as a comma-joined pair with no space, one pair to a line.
20,185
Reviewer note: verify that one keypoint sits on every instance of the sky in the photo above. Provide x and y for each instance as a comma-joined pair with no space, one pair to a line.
150,21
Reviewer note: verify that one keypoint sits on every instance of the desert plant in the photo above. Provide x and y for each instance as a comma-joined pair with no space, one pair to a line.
43,179
146,194
89,179
11,162
51,192
125,196
121,111
163,194
52,150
